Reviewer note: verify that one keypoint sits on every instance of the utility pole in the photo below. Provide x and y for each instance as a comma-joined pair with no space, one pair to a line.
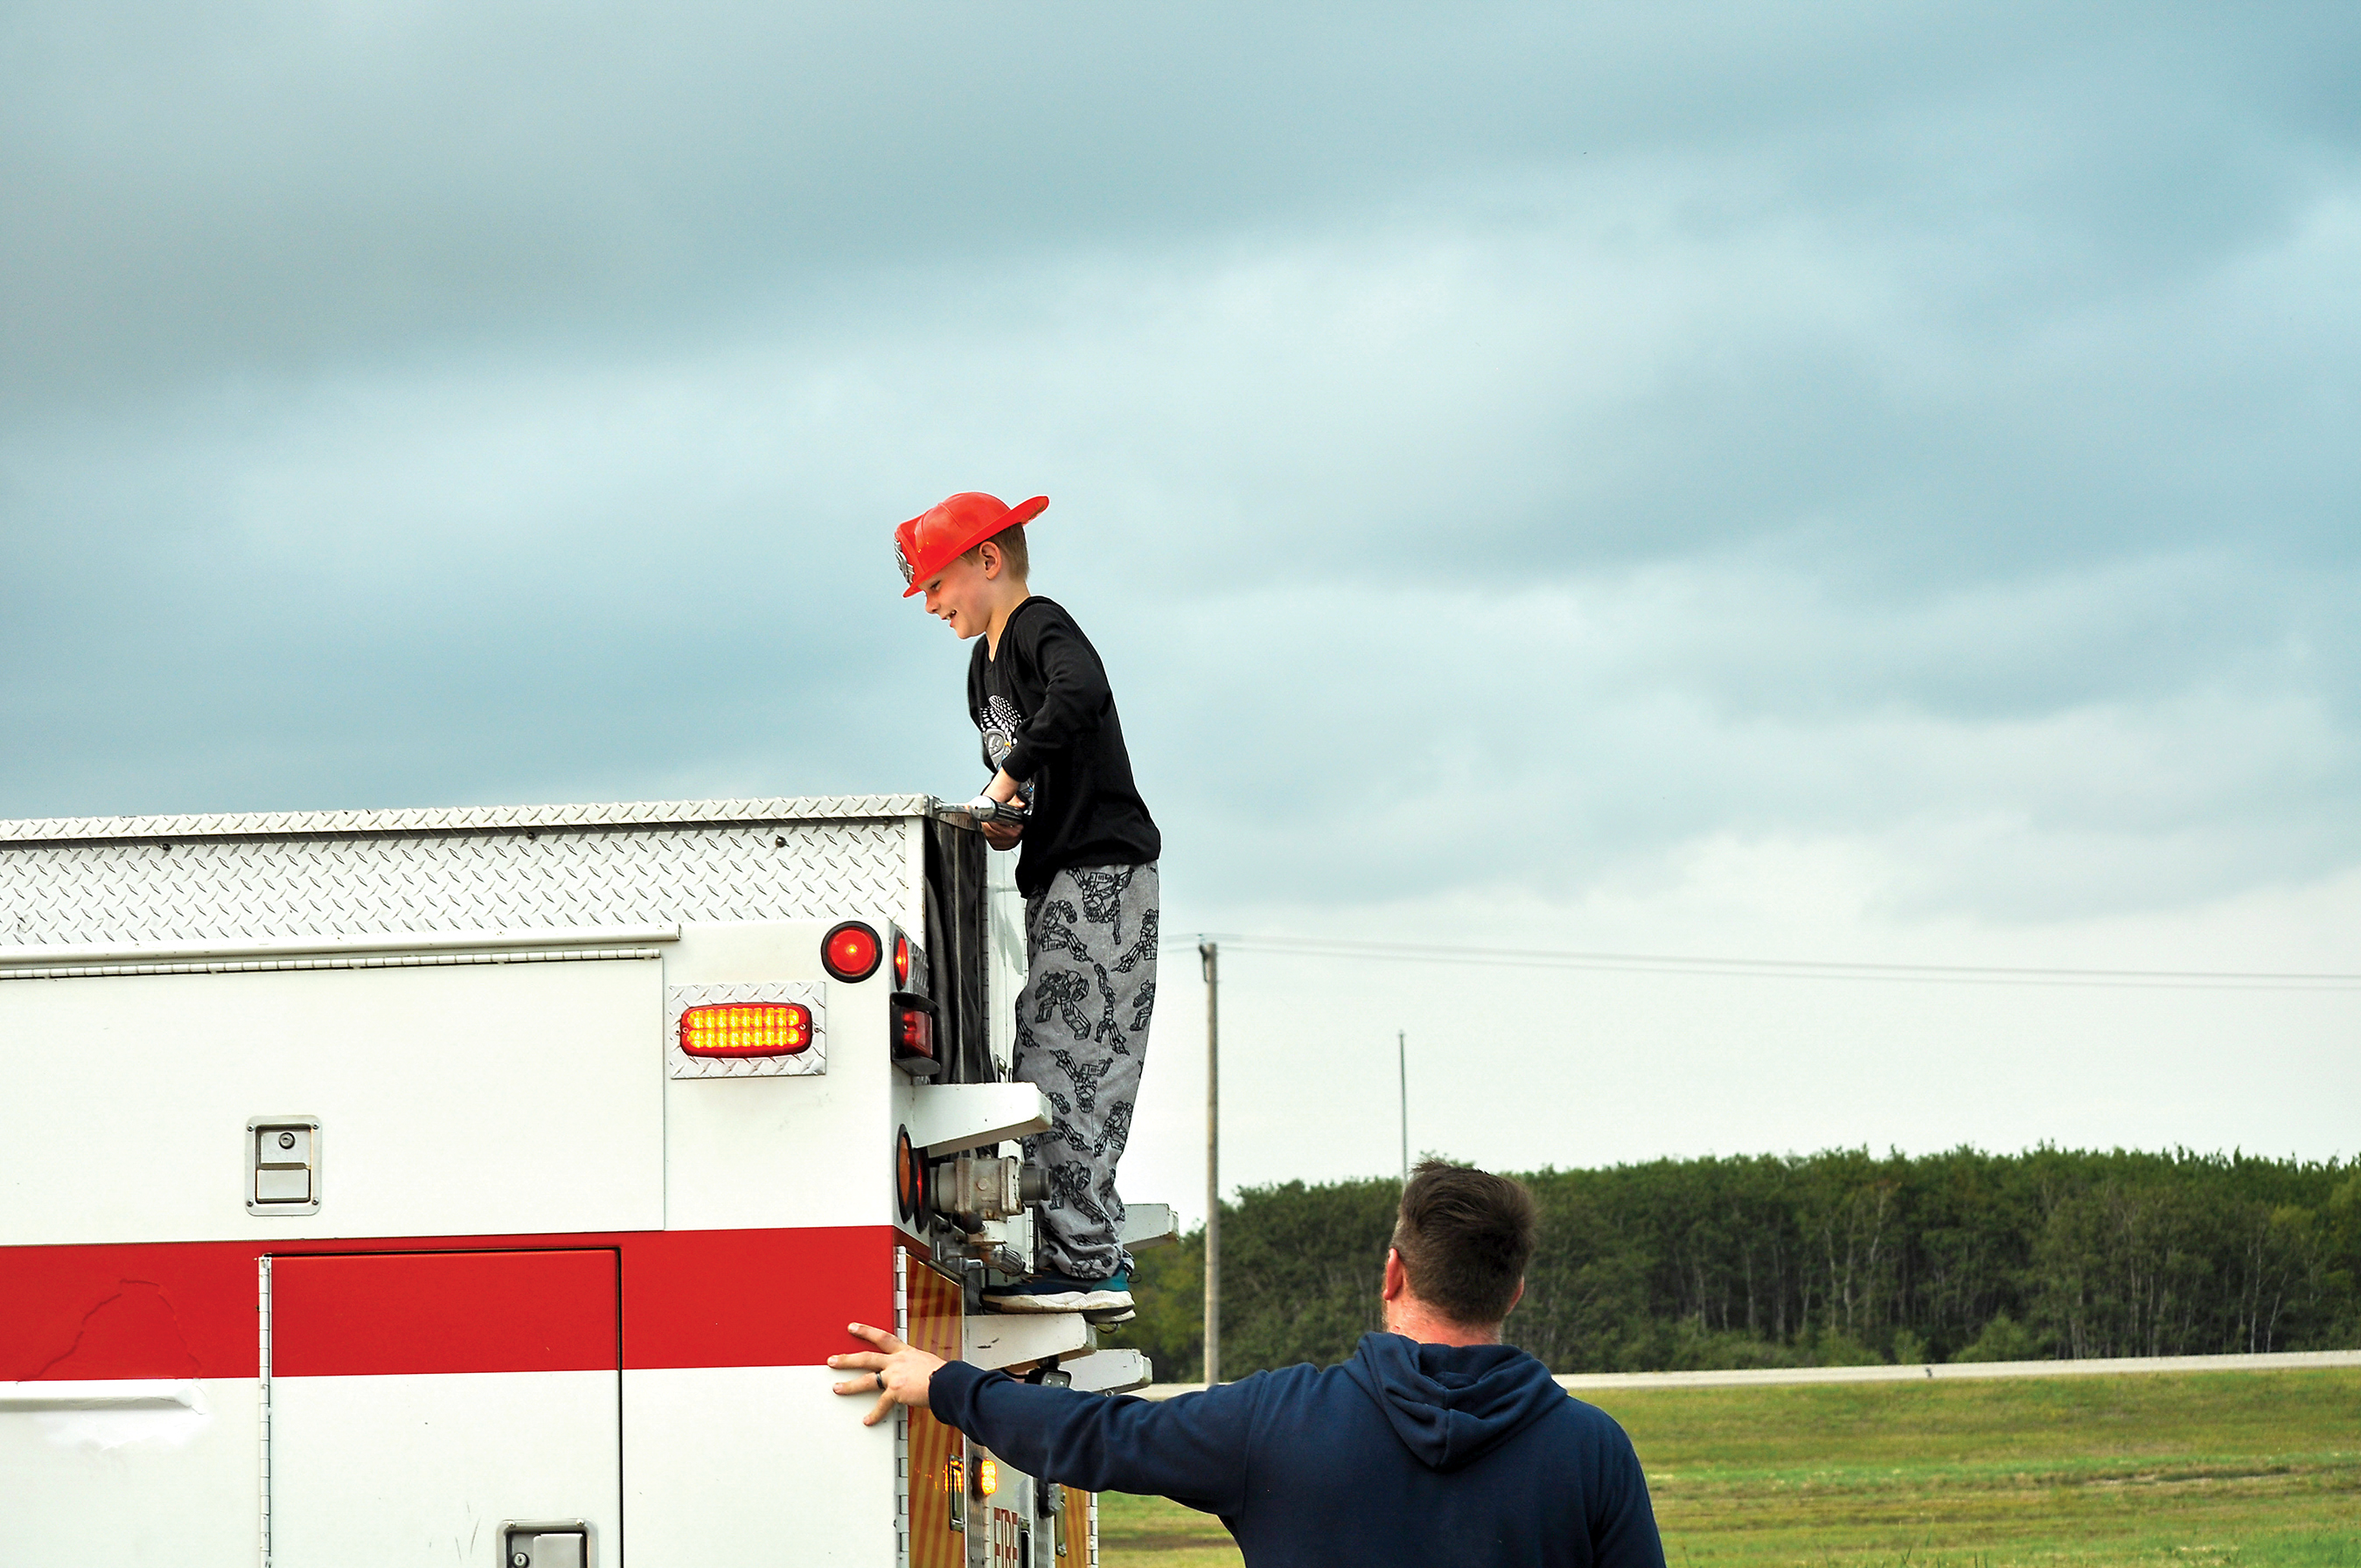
1210,954
1401,1061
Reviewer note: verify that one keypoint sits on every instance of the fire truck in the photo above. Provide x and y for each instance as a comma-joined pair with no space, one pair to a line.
488,1187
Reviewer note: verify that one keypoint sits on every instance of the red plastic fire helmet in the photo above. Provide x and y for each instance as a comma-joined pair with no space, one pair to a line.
949,529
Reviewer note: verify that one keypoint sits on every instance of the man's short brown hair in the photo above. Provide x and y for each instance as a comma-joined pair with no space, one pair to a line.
1465,1237
1011,541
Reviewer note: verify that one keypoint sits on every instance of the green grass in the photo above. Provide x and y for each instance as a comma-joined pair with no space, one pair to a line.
2207,1470
1151,1531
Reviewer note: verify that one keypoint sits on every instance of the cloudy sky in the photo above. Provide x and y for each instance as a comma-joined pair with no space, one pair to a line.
1841,483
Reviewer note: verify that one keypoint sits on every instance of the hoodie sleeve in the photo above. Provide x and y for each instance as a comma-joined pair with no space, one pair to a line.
1623,1522
1191,1449
1074,699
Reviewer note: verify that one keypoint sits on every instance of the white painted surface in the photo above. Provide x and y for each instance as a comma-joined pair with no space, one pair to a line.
128,1473
370,1471
946,1116
488,1099
1148,1225
1008,1339
762,1153
1004,970
1109,1371
753,1464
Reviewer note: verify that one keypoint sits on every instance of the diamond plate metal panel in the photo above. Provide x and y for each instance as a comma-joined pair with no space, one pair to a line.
467,818
369,960
809,1062
300,878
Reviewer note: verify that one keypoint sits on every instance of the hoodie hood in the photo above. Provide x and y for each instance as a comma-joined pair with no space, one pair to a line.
1452,1404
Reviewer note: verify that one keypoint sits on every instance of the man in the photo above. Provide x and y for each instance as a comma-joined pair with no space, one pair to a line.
1436,1443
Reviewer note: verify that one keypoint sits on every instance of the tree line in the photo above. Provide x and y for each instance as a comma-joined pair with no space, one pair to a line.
1824,1260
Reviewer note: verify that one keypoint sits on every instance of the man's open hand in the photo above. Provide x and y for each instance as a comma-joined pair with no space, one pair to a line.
900,1374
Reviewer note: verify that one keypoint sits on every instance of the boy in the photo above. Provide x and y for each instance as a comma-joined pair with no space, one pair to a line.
1052,741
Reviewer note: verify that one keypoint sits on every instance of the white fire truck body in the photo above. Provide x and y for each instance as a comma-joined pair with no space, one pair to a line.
488,1187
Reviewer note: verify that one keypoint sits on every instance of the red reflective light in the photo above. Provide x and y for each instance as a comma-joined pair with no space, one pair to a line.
746,1029
850,951
910,1030
901,959
909,1178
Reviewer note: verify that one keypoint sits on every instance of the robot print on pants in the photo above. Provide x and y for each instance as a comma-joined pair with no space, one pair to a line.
1081,1038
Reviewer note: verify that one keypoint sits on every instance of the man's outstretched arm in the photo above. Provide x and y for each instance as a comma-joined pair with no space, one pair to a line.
1191,1449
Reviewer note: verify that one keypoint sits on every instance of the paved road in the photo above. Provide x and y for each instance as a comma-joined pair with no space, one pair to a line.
2289,1361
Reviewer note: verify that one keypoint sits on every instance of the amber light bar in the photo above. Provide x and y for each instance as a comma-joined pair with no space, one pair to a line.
746,1029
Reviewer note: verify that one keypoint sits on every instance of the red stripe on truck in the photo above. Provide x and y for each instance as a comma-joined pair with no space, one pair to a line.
176,1310
753,1298
388,1313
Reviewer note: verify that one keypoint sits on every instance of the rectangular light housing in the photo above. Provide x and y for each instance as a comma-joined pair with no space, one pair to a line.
911,1020
745,1029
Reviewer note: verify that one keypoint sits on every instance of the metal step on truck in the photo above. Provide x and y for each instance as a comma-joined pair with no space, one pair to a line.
488,1187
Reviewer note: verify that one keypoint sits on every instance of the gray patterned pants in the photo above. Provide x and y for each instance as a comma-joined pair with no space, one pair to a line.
1081,1036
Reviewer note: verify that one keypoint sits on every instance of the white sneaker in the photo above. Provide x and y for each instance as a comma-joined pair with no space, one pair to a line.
1061,1293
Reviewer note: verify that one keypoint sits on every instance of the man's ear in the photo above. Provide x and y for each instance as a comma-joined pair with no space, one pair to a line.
1515,1299
1397,1277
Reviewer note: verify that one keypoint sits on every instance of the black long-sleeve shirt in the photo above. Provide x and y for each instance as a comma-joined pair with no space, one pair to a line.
1048,717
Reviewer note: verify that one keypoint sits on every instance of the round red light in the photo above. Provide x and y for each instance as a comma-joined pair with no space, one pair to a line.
901,959
850,951
909,1178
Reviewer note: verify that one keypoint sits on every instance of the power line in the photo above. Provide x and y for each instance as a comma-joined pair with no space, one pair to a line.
1779,968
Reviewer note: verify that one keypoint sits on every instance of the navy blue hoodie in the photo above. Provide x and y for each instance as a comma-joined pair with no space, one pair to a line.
1408,1453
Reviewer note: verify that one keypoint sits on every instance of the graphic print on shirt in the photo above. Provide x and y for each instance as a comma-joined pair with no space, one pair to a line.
999,722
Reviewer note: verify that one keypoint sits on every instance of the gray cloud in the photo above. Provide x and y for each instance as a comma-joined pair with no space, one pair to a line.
1928,425
266,186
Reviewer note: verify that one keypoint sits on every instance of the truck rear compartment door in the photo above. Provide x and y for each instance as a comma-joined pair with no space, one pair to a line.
518,1097
419,1403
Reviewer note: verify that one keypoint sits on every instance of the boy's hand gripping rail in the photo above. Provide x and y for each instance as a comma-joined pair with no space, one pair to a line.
982,809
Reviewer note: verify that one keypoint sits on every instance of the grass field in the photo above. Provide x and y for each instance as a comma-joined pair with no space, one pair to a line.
2211,1470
